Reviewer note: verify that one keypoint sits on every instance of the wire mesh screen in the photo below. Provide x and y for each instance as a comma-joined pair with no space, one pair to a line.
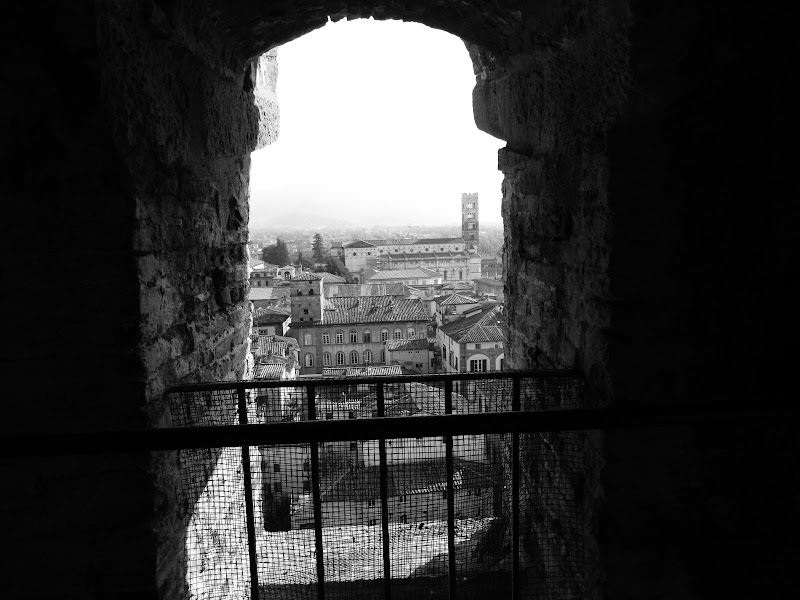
408,498
212,489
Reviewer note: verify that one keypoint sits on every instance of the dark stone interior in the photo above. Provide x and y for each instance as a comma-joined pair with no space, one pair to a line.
649,242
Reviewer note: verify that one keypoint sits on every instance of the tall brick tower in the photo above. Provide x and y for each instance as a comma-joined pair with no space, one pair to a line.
469,220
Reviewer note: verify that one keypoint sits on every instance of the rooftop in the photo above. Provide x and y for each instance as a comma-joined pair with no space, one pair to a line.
454,299
413,273
371,371
372,309
404,345
269,371
351,290
268,293
486,326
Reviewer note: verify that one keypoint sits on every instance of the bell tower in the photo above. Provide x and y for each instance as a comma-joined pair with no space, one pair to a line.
469,221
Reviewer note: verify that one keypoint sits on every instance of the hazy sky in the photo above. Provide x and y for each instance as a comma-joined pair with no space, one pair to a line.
376,127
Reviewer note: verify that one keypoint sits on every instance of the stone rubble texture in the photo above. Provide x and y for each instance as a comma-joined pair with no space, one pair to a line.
648,240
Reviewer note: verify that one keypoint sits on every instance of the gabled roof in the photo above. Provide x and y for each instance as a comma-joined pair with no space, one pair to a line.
454,299
269,371
329,277
486,326
372,309
359,244
306,276
405,345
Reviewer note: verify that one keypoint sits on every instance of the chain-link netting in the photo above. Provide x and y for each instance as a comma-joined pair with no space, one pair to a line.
353,498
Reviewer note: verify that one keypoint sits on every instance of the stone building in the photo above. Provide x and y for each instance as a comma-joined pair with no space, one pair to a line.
449,256
645,171
414,355
474,342
349,331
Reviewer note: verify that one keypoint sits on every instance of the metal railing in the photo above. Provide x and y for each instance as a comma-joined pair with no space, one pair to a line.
226,415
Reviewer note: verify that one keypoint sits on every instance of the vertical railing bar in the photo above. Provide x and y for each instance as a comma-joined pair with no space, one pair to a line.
387,568
515,406
248,498
451,542
315,490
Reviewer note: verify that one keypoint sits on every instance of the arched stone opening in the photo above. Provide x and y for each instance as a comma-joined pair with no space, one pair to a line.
194,121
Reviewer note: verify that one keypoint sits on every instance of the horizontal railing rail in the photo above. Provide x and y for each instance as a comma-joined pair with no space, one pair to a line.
222,436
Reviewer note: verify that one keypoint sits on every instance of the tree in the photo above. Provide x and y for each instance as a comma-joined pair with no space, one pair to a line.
319,248
276,254
335,266
305,263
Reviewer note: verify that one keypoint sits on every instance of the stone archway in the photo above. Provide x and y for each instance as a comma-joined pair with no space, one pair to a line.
193,93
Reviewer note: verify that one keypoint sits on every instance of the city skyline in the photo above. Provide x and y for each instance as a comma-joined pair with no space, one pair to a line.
385,137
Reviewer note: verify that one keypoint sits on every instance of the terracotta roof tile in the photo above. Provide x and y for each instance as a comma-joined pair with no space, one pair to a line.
372,309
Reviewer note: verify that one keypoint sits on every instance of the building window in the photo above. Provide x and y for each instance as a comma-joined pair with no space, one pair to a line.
367,336
278,487
384,335
353,337
398,334
340,358
306,485
444,353
299,293
353,357
383,357
410,333
326,338
477,346
276,468
306,466
329,416
477,366
339,337
309,359
402,499
326,359
460,274
367,356
371,502
444,495
353,446
445,273
403,518
307,340
351,414
310,292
